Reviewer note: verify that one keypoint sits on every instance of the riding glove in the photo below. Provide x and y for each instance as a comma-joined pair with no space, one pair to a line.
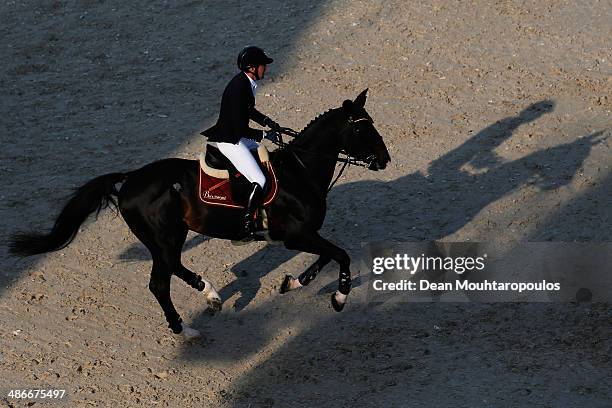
272,136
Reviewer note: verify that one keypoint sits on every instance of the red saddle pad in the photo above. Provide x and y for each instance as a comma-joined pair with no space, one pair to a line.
216,191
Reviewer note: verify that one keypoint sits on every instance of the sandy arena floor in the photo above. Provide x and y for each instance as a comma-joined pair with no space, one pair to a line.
497,118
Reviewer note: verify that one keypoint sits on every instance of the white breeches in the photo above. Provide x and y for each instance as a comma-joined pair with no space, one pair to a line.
241,157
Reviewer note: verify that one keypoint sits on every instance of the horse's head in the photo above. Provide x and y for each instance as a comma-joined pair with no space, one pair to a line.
360,139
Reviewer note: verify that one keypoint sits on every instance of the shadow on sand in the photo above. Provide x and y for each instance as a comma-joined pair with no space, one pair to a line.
110,87
387,354
463,181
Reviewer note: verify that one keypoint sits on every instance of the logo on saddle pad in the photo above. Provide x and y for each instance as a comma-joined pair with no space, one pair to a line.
206,194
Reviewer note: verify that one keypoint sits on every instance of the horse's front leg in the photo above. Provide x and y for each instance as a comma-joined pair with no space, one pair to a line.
313,243
291,283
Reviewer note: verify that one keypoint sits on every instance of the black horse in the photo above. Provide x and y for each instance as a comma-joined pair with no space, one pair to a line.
160,203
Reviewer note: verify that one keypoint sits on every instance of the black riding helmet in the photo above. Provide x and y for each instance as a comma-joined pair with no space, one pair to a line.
252,56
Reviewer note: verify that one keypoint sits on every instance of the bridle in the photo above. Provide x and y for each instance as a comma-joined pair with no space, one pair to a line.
345,158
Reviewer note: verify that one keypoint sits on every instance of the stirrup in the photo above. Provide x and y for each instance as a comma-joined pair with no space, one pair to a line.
249,227
246,238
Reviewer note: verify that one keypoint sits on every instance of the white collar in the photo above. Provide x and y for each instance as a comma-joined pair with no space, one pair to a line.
253,84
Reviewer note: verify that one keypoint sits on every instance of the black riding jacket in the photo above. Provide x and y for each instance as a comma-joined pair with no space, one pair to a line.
237,107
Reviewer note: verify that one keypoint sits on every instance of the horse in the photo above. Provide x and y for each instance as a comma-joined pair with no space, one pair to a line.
160,203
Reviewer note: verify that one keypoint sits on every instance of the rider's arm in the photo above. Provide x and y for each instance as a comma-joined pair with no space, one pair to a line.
257,116
262,119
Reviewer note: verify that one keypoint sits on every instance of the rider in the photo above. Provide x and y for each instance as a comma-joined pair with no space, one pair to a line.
232,133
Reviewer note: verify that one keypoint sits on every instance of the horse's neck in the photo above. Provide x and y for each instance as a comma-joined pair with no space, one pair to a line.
318,150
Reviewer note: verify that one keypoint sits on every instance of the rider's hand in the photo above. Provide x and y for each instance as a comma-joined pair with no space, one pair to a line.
271,124
272,135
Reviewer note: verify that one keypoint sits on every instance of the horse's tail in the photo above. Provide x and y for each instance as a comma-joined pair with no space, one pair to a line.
95,195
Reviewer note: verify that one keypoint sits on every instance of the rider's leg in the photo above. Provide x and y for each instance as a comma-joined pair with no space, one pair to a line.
255,201
240,156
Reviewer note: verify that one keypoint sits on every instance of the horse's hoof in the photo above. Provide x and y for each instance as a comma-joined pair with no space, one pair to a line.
337,305
214,304
285,287
188,333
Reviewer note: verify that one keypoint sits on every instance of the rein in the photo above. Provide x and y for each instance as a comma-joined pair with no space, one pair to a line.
347,160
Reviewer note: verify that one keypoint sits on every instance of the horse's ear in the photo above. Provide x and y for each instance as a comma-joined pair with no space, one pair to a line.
361,98
348,106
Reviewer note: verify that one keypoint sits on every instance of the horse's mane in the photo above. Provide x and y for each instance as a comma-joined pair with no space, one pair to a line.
317,120
299,139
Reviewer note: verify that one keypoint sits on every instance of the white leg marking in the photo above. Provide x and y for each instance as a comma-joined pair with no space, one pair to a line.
340,298
212,297
188,333
294,284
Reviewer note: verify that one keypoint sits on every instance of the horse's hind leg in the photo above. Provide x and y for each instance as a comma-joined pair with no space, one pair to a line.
171,251
196,281
160,228
291,283
163,244
159,285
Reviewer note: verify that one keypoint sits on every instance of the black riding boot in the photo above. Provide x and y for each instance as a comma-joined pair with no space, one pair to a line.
255,201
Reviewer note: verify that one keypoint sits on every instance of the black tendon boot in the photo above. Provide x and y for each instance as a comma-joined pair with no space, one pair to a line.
255,201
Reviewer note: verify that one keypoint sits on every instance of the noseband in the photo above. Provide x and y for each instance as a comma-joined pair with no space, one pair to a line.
371,159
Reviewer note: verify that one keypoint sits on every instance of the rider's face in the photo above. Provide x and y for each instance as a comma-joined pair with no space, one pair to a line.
257,72
261,70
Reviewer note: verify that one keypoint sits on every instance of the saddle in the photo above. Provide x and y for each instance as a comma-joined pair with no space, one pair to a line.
222,185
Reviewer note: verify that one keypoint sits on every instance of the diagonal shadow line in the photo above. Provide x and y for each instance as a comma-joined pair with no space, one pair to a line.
105,87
